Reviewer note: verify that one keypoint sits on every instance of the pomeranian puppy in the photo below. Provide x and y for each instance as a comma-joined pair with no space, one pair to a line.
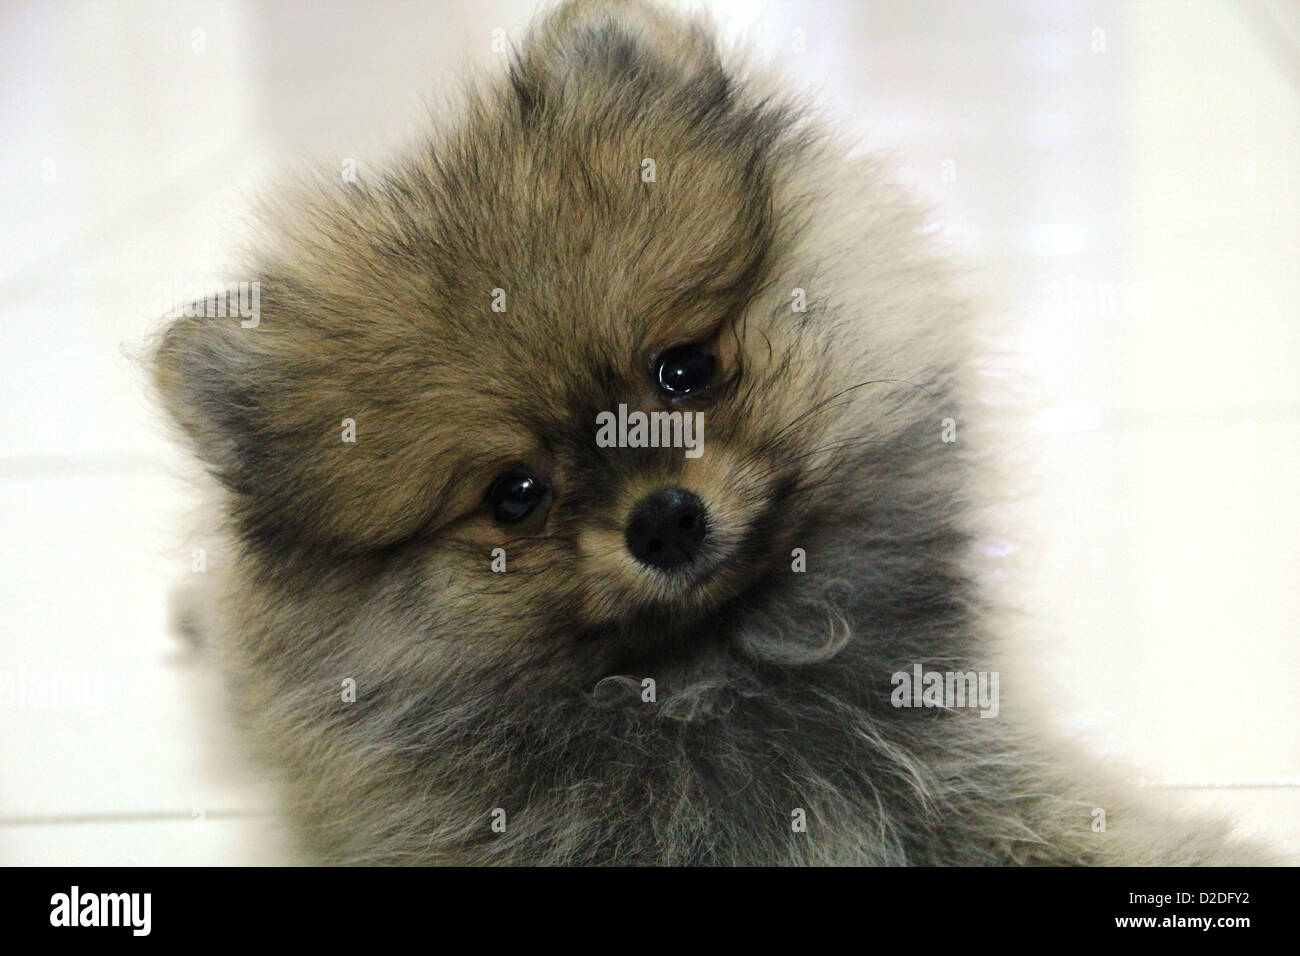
590,495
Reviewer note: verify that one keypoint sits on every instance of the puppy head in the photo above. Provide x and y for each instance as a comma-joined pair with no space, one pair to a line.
619,228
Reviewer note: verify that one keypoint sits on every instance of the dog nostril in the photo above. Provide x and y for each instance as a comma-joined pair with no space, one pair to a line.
667,528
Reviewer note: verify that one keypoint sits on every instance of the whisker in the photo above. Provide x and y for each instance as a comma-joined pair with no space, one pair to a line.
822,406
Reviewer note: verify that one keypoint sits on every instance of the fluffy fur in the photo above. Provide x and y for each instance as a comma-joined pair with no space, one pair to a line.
522,691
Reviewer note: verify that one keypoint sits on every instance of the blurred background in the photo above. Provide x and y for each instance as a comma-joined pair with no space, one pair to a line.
1124,175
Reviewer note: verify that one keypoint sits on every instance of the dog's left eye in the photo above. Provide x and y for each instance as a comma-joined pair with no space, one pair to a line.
685,369
514,495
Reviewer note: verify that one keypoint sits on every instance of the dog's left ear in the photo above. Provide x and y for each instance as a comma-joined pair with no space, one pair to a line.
604,46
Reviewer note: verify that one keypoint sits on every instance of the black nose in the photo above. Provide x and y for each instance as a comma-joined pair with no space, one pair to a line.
667,528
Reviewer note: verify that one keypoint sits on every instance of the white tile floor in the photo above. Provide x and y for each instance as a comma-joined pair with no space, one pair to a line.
1131,194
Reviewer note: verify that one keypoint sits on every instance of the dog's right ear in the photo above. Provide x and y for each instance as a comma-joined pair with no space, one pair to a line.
207,372
267,409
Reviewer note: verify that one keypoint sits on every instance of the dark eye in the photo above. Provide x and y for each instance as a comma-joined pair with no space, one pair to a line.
685,369
514,495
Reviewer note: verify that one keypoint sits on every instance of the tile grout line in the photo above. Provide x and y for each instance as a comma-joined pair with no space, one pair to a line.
165,816
77,466
158,816
1280,784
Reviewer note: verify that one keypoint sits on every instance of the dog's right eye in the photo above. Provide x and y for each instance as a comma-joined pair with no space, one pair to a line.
514,495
